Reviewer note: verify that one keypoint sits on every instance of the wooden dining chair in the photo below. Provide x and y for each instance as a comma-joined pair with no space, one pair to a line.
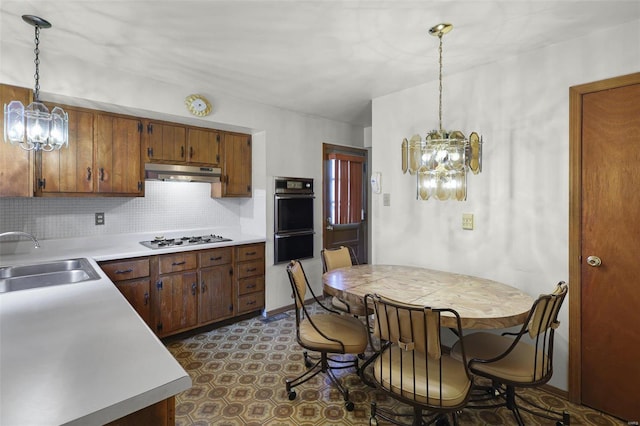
340,258
523,359
327,332
411,366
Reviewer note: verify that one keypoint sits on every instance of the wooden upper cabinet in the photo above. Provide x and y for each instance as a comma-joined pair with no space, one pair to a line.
118,166
69,170
203,146
165,142
236,170
16,164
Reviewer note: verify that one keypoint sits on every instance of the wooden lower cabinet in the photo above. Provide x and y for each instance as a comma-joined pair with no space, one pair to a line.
215,301
181,291
176,303
250,277
162,413
131,277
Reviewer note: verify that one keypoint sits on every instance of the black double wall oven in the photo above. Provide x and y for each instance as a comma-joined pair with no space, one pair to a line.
293,219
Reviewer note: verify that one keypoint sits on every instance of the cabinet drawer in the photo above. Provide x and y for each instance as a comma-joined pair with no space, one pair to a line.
250,285
250,269
215,257
177,262
250,252
121,270
250,302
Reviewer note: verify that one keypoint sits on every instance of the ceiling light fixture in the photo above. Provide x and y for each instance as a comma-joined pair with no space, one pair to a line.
442,160
34,127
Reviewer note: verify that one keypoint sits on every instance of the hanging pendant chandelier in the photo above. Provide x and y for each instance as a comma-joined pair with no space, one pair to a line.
34,127
441,161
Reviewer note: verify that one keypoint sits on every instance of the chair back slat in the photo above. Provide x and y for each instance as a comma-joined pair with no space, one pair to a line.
298,281
336,258
545,311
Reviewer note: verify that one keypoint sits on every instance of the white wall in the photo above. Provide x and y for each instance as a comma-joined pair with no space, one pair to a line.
520,200
285,143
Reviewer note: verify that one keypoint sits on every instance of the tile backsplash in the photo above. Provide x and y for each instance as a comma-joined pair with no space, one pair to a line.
165,206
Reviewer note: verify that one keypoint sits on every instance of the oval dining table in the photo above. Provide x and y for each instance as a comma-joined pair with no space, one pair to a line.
481,303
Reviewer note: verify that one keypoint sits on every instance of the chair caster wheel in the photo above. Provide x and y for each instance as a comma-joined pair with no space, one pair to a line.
349,406
292,395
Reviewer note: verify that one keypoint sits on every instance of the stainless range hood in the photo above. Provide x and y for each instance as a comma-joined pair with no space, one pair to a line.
180,173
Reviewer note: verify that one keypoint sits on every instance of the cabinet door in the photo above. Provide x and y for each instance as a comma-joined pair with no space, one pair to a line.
236,180
70,170
176,302
137,294
165,142
216,294
16,164
203,147
118,155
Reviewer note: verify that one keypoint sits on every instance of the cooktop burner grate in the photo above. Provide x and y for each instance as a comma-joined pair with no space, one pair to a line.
162,242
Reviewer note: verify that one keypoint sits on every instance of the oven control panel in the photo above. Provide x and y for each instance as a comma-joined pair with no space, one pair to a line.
289,185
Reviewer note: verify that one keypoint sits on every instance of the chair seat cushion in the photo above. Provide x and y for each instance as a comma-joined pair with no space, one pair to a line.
348,330
516,368
395,371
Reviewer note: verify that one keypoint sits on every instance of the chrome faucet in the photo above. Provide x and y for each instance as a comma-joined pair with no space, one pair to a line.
24,234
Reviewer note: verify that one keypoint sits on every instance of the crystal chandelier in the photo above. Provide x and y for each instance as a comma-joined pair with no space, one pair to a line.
34,127
441,161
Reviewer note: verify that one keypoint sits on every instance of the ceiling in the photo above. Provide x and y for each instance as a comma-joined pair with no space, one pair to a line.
320,57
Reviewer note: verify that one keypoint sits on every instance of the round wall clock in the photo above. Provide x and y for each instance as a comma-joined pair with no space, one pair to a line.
198,105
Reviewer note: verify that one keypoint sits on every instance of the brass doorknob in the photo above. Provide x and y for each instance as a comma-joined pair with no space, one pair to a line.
594,261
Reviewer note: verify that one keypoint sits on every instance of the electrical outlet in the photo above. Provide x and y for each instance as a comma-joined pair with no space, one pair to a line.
467,221
100,218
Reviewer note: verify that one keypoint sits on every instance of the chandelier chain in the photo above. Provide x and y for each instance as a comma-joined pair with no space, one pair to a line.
36,92
440,82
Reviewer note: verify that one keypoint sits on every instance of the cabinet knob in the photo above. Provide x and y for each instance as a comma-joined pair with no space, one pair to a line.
194,288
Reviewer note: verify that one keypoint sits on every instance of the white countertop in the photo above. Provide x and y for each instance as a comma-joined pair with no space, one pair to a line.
79,353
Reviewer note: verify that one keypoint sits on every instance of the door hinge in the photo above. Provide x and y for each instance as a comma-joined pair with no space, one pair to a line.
42,183
159,285
248,141
149,128
149,152
218,138
139,126
217,158
230,271
248,188
230,308
139,186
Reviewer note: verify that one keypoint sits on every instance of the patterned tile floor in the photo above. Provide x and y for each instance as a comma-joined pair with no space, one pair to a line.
238,374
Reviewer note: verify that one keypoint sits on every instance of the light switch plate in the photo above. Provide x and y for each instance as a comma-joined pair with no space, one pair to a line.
467,221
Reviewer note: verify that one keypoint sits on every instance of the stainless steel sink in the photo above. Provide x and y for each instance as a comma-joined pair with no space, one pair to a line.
14,278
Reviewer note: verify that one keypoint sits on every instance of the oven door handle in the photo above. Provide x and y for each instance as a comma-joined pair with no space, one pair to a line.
294,234
294,196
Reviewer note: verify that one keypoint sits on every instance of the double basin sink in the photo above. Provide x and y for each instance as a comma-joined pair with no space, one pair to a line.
23,277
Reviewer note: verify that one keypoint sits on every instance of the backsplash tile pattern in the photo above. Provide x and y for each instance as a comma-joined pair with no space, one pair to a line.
165,206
